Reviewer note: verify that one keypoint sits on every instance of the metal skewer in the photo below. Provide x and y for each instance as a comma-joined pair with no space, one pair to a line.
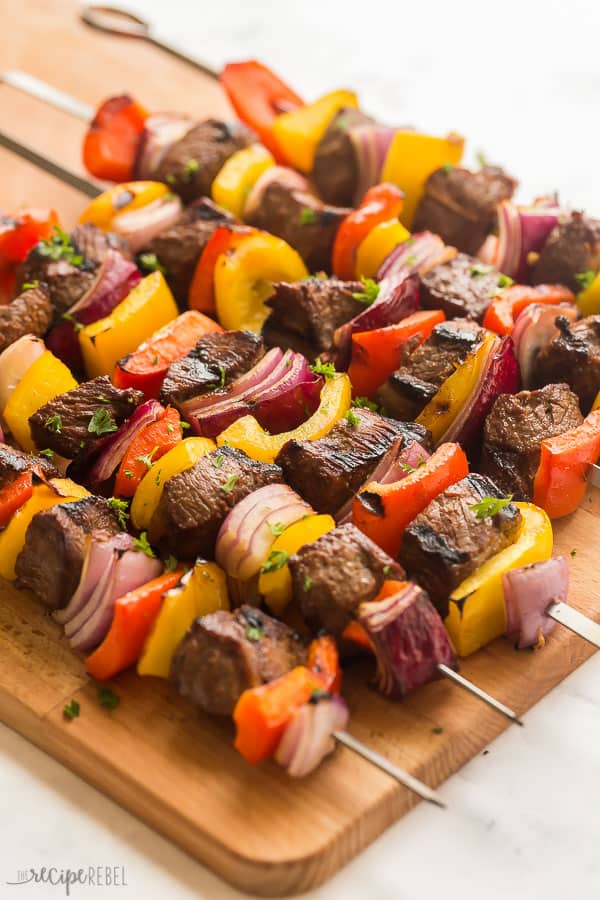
47,93
42,162
575,622
467,685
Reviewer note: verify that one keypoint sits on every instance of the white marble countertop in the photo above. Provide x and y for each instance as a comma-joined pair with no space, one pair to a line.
522,81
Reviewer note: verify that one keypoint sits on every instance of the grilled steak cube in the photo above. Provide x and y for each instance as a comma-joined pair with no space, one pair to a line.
514,430
50,563
14,462
30,313
305,314
424,368
329,471
94,244
335,574
572,249
302,220
447,541
573,356
179,247
463,286
225,653
216,360
460,206
192,163
195,503
336,167
63,424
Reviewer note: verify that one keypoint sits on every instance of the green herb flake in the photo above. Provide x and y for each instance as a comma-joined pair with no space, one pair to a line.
229,485
369,293
48,453
170,428
185,426
217,461
102,399
107,697
438,729
155,359
157,479
481,159
490,506
364,403
408,468
327,370
128,473
170,563
54,423
479,270
147,459
504,281
102,422
351,418
573,552
142,545
149,262
71,710
448,167
386,570
275,561
171,179
307,584
276,528
59,246
411,260
307,216
253,633
30,285
585,279
121,508
70,318
190,169
222,376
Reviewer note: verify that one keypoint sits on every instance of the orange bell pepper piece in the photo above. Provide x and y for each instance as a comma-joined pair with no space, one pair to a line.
150,444
503,311
383,511
323,658
561,479
356,633
133,618
376,354
380,204
201,294
14,495
111,143
262,713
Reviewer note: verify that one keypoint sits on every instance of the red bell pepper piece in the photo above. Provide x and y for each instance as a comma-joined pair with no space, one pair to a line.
201,295
258,97
503,311
146,367
380,204
376,354
112,140
383,511
133,618
14,495
150,444
561,479
19,233
323,658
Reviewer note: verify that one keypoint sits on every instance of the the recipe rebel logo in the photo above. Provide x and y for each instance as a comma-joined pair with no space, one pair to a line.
92,876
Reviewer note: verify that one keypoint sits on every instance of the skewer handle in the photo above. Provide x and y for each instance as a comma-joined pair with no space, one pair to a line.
576,622
478,692
45,92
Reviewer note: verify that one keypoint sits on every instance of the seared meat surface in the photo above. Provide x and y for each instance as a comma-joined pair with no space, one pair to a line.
514,429
94,244
572,249
336,166
63,424
225,653
29,313
463,286
573,356
335,574
14,462
447,541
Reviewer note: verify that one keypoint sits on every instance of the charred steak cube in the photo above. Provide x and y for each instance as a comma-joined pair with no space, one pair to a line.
50,563
195,503
573,356
572,249
335,574
463,286
82,418
30,313
514,430
329,471
226,653
460,205
14,462
336,168
94,244
448,540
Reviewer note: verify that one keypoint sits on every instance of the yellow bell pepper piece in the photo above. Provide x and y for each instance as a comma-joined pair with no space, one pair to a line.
147,496
299,133
12,538
247,435
588,300
377,245
238,176
122,198
244,276
442,409
596,402
276,587
148,307
45,379
477,612
201,591
412,158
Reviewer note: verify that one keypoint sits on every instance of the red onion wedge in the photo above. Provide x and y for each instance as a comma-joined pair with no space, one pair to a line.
239,389
409,640
521,231
417,255
140,226
15,362
371,145
114,449
247,534
308,737
161,131
278,175
97,560
534,329
528,592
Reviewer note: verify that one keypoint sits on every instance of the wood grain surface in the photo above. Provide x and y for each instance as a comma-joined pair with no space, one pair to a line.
154,754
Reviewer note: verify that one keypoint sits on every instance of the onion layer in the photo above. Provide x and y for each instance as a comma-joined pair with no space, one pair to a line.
291,179
417,255
371,145
528,592
115,447
98,558
534,329
308,737
140,226
15,362
521,231
161,131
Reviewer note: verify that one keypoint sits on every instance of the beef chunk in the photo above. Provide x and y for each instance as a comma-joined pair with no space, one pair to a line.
94,244
335,574
192,163
225,653
336,168
63,424
302,220
447,541
51,561
573,356
216,360
329,471
463,286
572,248
14,462
424,369
30,313
514,430
460,205
194,504
305,314
179,247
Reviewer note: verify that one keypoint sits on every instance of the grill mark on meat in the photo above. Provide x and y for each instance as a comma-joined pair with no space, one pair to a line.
336,168
14,462
29,313
572,248
454,288
573,356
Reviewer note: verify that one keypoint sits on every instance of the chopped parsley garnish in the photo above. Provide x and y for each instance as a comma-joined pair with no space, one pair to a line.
411,260
185,426
48,453
275,561
69,318
107,697
170,428
318,695
71,710
170,178
147,459
307,216
276,528
170,563
586,279
222,376
54,423
438,729
30,285
481,159
155,359
217,461
327,370
505,281
102,399
190,169
479,270
128,473
573,552
229,485
102,422
364,403
157,478
307,584
369,293
351,418
408,468
121,508
490,506
448,167
60,246
149,263
253,633
386,570
142,545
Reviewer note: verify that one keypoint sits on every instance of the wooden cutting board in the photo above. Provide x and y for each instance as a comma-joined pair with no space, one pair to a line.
154,754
